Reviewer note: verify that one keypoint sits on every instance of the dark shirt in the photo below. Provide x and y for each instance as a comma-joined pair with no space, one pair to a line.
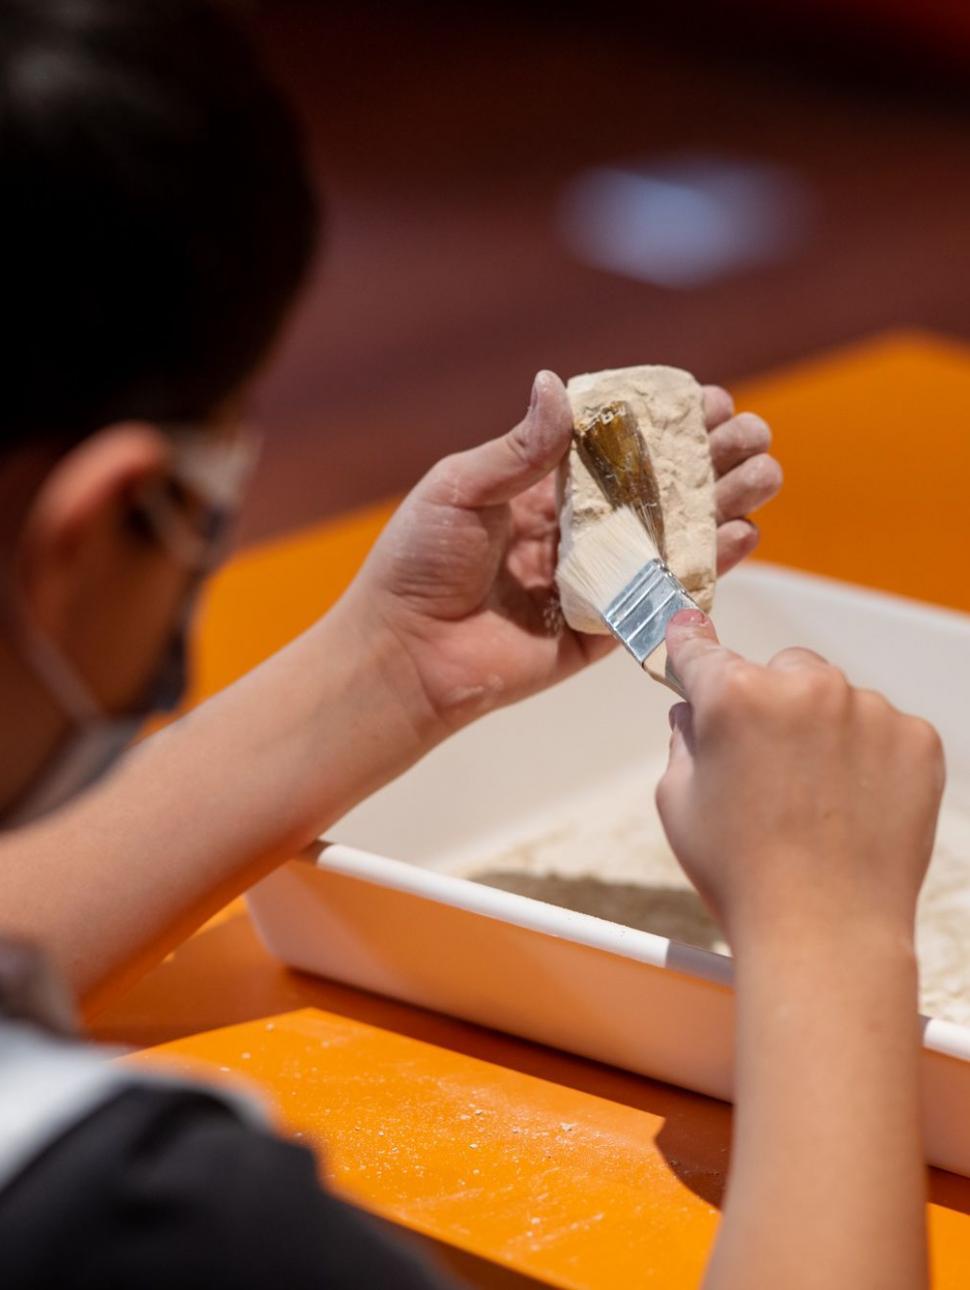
168,1187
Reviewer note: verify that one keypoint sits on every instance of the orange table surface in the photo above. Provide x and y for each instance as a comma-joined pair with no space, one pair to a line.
527,1165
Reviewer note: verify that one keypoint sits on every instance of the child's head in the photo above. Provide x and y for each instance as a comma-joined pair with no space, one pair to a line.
155,212
156,220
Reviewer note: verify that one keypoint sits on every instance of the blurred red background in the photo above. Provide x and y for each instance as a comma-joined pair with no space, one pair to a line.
446,140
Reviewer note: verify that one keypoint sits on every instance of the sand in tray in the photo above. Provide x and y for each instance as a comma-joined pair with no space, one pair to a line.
608,856
943,922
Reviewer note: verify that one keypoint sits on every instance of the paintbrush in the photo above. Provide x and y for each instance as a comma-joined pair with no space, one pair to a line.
617,562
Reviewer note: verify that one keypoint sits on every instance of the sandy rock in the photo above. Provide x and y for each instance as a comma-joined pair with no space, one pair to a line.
668,405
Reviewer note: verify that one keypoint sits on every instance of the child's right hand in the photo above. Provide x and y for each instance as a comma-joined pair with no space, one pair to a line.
804,810
796,803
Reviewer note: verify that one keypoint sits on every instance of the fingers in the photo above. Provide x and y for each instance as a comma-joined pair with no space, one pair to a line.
747,487
679,767
747,477
718,405
694,649
500,470
737,439
736,539
681,720
797,657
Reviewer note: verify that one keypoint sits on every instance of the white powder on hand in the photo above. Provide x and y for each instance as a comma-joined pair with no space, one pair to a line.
608,856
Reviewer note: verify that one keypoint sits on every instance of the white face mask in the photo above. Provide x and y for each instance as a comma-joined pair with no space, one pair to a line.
214,471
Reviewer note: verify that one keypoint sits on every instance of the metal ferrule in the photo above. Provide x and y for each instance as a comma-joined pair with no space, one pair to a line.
639,615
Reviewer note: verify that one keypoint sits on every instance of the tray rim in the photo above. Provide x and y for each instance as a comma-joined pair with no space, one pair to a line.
946,1038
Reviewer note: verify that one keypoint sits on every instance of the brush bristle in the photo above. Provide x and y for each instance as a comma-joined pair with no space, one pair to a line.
605,558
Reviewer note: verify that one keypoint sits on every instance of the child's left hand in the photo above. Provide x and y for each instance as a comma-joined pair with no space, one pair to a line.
463,576
450,617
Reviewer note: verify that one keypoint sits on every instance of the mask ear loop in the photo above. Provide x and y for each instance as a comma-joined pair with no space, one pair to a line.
59,677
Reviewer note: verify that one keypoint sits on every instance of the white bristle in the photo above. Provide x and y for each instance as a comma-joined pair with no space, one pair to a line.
605,557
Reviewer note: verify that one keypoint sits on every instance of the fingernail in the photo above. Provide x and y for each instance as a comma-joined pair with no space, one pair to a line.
535,392
690,618
753,419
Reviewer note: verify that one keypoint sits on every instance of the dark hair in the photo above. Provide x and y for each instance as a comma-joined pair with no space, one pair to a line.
155,212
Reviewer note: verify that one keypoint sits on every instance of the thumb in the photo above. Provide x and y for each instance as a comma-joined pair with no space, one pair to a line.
500,470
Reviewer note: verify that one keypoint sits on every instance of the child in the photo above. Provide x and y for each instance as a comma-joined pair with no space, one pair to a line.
157,222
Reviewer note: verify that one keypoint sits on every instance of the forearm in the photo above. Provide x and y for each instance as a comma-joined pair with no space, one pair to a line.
827,1184
203,809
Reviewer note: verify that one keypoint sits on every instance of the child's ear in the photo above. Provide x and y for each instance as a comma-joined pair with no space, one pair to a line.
78,516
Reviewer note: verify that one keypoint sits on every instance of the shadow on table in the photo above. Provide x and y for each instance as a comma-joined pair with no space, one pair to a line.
224,976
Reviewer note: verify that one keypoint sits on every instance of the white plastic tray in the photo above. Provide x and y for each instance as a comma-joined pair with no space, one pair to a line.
373,911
